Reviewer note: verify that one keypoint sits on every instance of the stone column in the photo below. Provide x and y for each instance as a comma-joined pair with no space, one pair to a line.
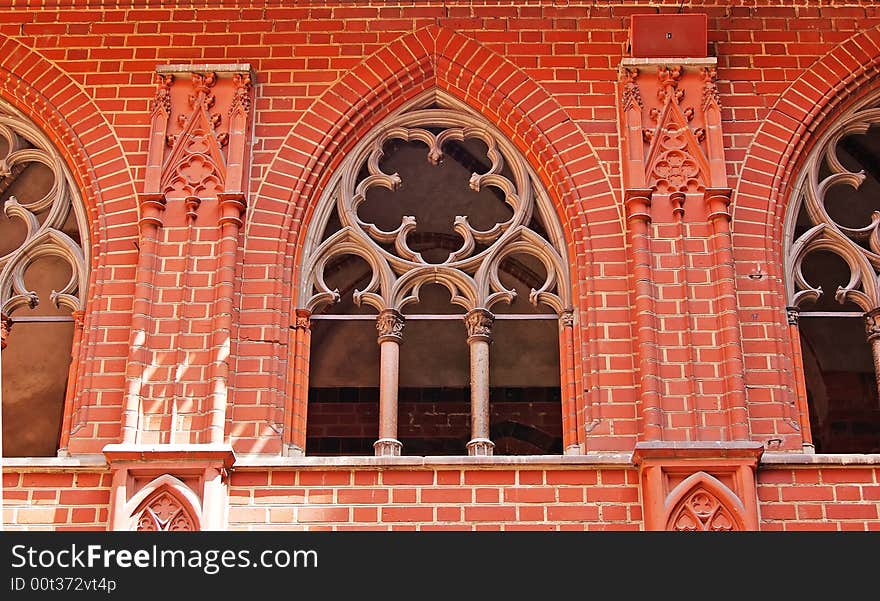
793,315
479,328
390,327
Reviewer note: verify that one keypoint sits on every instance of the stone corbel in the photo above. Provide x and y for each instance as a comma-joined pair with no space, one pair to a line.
699,486
186,483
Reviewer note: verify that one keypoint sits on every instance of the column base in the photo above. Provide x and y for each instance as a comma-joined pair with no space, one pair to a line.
387,447
480,447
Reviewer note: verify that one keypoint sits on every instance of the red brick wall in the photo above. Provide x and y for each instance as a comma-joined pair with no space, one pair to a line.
441,498
56,500
819,498
86,76
546,75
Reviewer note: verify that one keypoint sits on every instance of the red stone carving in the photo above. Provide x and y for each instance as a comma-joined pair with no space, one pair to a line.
676,162
702,511
164,513
196,166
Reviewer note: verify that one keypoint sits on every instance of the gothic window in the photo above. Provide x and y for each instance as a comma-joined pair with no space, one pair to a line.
833,261
436,281
43,280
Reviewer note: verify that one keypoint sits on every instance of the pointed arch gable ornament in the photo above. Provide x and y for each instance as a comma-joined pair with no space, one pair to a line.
165,505
702,503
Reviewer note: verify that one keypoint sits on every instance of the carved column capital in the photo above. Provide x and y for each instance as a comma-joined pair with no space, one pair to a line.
232,206
872,324
718,202
79,319
638,204
5,326
390,325
303,320
152,206
566,319
677,199
479,325
793,314
191,204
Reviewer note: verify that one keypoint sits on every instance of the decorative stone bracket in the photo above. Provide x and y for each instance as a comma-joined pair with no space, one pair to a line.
690,486
168,487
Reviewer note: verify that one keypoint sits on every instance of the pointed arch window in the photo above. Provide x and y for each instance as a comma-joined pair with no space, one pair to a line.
436,240
833,265
43,281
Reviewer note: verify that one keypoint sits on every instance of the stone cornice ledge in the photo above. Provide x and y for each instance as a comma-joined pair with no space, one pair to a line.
54,463
495,461
185,453
779,459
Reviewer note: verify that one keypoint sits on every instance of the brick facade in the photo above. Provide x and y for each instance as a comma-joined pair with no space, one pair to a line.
194,304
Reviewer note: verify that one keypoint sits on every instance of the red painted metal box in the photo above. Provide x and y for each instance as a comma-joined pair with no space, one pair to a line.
668,36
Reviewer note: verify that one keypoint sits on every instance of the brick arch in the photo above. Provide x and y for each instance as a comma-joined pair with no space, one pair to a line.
785,136
486,81
435,57
76,126
771,168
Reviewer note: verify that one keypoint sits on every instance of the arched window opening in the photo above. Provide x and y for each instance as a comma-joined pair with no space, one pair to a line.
436,276
833,263
42,285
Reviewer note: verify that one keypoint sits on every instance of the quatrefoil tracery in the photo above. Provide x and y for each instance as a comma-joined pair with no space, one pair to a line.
859,247
44,218
470,272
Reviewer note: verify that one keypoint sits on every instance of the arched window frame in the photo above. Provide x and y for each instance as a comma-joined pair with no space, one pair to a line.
43,239
472,279
825,234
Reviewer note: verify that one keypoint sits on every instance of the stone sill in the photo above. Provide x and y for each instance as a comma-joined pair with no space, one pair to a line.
253,462
709,61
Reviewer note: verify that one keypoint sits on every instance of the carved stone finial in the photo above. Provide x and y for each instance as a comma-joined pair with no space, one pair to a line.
479,324
162,101
872,324
669,77
631,92
202,84
710,88
793,314
390,325
242,98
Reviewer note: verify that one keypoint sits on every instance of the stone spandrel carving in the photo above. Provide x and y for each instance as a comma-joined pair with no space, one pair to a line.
43,218
471,269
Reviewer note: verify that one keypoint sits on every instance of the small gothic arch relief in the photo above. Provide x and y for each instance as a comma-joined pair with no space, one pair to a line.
702,503
165,505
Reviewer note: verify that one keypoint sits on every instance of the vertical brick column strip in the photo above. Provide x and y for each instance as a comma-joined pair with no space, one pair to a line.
232,207
75,354
718,203
152,205
638,218
568,384
797,360
479,328
297,393
390,325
